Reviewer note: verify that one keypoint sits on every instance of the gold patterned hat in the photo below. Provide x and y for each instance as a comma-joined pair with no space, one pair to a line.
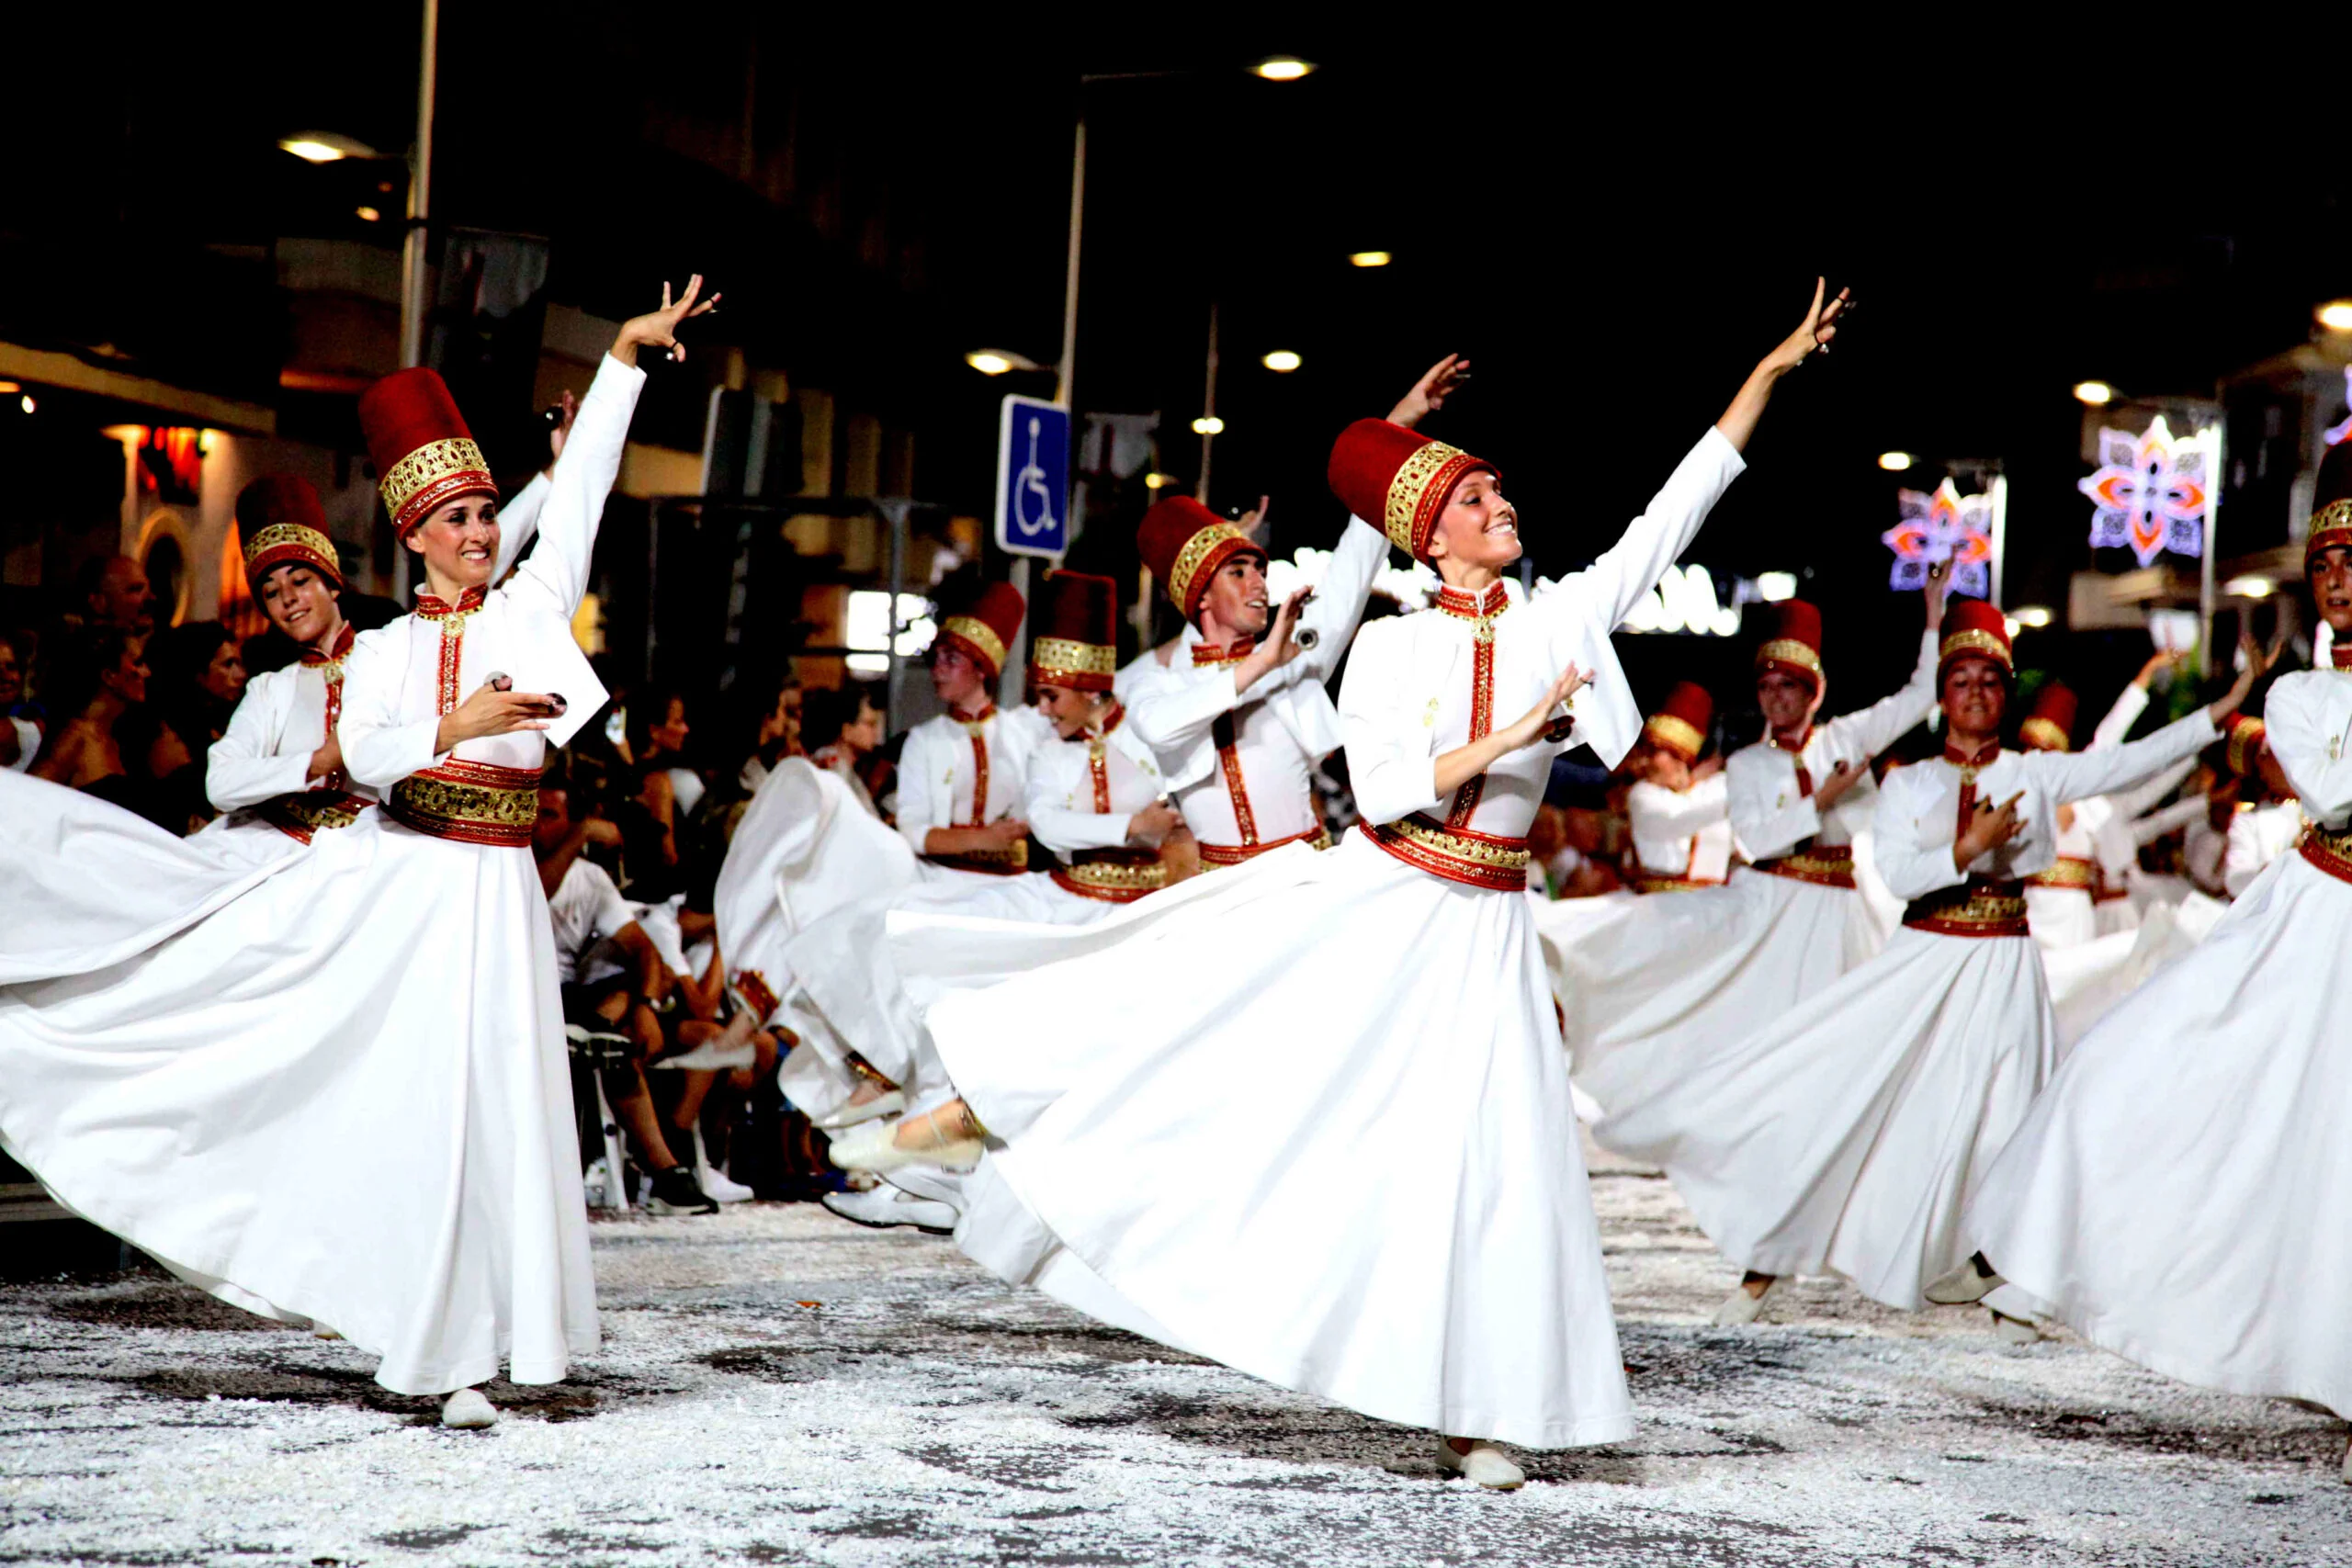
1681,722
1974,629
1184,543
987,629
281,523
1398,481
422,449
1794,643
1073,632
2331,525
2242,738
2050,726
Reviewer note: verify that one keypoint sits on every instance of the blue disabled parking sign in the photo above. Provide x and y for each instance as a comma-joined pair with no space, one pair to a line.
1032,478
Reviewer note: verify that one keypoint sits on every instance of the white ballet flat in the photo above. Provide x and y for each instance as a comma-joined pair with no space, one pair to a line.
875,1147
889,1104
468,1411
2014,1330
1743,1306
1963,1286
1483,1464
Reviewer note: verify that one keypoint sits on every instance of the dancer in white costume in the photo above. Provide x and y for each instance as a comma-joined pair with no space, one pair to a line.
1846,1137
1684,973
1094,797
1455,1281
1679,810
369,1037
2114,818
2191,1229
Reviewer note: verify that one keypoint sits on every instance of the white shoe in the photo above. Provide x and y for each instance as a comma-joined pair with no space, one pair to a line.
1483,1464
1744,1307
886,1208
889,1103
469,1411
1963,1286
718,1187
321,1331
2014,1330
874,1146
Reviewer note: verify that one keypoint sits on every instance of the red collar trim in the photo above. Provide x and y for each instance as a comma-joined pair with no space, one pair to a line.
1463,604
1772,739
988,712
1983,759
1112,720
2340,655
433,609
343,642
1234,652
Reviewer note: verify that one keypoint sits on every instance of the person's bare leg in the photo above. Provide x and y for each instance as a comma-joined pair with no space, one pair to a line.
1755,1284
694,1089
951,1124
634,1106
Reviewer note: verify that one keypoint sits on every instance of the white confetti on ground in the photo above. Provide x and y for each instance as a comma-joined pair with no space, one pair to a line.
780,1387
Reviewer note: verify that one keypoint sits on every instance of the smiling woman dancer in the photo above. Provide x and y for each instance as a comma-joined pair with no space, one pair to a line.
2176,1195
1453,1279
342,1096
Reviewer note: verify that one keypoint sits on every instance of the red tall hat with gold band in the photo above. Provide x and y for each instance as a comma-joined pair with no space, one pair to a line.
1398,481
2242,738
1680,722
421,446
1973,628
987,629
1792,644
2331,524
282,523
1074,632
1184,543
2050,726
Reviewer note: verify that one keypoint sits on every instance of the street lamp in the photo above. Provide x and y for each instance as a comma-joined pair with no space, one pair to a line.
1369,258
2335,315
996,361
2096,394
1208,424
1282,68
1282,361
324,147
1894,462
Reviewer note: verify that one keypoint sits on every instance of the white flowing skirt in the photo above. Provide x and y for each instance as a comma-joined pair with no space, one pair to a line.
1848,1137
1309,1117
1684,973
341,1095
2178,1195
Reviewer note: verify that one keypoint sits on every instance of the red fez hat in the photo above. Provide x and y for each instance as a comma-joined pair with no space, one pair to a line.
1973,627
1184,543
2050,726
421,446
1793,642
987,629
1398,481
2242,738
2331,524
1074,634
1680,722
282,523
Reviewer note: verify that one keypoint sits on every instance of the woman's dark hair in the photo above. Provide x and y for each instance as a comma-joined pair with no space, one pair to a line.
826,712
76,663
647,709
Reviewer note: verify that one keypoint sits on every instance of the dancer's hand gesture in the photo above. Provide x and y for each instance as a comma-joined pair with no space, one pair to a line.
660,328
1535,724
1843,776
1992,826
1815,333
495,710
2255,662
1439,382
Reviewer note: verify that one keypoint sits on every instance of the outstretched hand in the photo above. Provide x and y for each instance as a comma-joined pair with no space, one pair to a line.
1535,724
1439,382
1816,332
660,328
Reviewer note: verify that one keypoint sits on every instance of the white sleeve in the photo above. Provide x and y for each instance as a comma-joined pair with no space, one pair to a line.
609,913
1912,851
2129,705
1872,730
1339,599
2171,818
243,767
1392,763
1176,712
1661,813
2065,776
1608,589
558,570
378,749
27,744
1058,824
919,807
1764,819
2305,738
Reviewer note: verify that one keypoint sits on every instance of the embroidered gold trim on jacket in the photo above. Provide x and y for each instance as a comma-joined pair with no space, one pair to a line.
1975,909
988,863
1474,860
2330,848
468,803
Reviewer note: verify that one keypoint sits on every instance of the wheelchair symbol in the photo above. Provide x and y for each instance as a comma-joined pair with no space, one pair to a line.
1031,482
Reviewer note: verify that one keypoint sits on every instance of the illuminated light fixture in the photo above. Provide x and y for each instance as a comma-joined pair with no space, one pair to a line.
1370,258
1942,526
2011,625
1894,462
1282,361
2036,616
2250,587
370,215
1208,424
2335,315
1774,586
27,404
2098,394
1157,481
324,147
9,389
2151,491
1684,601
996,361
1282,68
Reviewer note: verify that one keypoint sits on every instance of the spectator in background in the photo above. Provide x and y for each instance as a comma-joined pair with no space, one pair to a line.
113,593
96,676
199,677
776,733
844,731
19,735
656,729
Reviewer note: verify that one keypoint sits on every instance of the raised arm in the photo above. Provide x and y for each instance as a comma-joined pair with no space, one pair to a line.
1864,733
518,523
244,768
1339,599
2065,777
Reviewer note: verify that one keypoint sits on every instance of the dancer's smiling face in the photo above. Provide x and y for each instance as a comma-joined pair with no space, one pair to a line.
1786,700
1976,695
1235,598
2330,581
459,541
298,602
1478,528
1072,712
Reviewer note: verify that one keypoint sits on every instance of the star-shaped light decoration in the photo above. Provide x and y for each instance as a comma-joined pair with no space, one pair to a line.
2335,434
2150,493
1943,527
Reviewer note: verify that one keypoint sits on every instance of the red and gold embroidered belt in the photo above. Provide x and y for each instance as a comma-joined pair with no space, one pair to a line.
468,803
2330,848
1114,877
1976,908
987,862
2069,871
304,813
1644,881
1457,854
1215,855
1824,865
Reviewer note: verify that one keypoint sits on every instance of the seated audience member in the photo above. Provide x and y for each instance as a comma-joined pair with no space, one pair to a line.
198,678
113,593
656,729
774,733
843,729
96,676
19,734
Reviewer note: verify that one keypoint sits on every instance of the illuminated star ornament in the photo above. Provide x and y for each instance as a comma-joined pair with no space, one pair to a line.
1944,526
2151,491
